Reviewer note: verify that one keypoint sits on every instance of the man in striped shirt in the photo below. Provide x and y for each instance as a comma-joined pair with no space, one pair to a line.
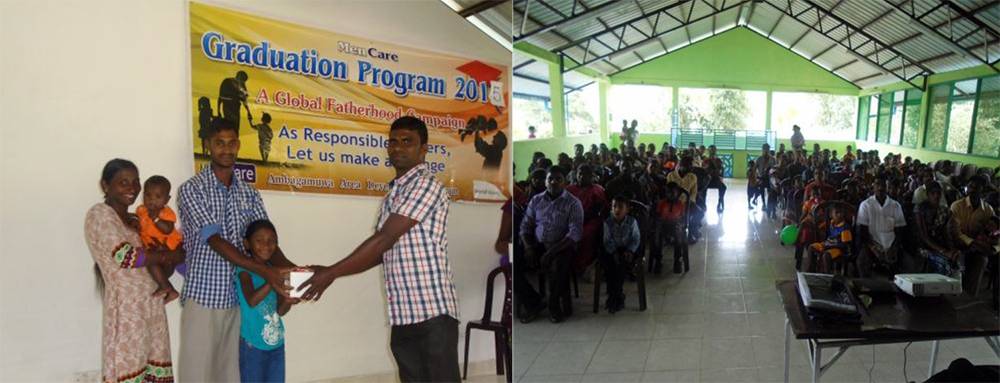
552,226
411,243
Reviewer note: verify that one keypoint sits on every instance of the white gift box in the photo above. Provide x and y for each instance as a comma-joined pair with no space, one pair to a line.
296,279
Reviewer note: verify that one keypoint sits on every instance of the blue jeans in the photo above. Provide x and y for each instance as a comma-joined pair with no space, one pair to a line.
258,365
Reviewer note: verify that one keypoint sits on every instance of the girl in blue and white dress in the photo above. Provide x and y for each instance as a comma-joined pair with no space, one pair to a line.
262,332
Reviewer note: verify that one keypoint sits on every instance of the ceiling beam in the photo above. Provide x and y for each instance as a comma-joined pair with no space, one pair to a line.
554,32
480,7
652,26
822,52
746,14
567,18
620,25
782,16
944,55
857,80
655,35
546,82
939,25
971,17
524,64
918,22
845,65
579,88
525,14
851,47
819,22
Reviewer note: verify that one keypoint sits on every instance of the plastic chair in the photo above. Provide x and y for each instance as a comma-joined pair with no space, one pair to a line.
501,330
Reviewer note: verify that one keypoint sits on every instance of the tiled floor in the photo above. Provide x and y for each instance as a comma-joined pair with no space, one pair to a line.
720,322
479,372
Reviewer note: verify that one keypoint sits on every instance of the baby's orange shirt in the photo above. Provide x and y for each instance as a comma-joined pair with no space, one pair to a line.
148,231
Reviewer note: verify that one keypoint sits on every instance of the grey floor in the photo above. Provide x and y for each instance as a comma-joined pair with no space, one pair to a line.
720,322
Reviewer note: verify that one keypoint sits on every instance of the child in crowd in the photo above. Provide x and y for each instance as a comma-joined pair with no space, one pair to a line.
262,332
671,212
621,241
157,227
791,210
752,185
838,242
264,134
808,230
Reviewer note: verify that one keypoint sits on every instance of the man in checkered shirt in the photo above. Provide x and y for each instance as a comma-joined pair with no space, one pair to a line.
215,208
411,243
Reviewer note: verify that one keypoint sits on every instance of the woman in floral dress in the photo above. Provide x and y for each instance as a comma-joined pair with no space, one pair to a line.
136,342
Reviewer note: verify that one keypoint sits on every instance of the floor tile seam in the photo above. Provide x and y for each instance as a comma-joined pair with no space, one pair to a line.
648,350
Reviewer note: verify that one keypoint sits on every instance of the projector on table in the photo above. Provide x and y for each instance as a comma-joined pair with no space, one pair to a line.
928,285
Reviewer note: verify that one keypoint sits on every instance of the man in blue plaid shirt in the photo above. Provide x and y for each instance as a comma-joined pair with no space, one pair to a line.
411,243
552,226
215,208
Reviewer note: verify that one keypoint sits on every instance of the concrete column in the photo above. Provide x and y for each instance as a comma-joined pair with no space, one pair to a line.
557,100
602,90
767,115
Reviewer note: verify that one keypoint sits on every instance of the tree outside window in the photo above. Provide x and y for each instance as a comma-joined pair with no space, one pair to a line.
721,109
987,140
583,109
960,117
531,112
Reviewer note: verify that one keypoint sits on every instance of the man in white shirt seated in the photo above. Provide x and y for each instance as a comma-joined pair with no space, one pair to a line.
880,224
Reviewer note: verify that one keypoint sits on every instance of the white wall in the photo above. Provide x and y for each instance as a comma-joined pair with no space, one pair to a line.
84,82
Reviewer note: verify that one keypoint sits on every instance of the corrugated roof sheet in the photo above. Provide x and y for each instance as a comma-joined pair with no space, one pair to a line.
890,27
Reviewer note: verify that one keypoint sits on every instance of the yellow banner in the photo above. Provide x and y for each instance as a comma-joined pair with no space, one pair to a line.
314,107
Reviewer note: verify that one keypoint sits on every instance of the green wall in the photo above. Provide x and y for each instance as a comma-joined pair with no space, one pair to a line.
741,59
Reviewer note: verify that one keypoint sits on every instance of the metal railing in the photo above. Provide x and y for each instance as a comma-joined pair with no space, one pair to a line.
724,139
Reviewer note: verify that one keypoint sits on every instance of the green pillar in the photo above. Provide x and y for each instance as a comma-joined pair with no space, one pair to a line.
557,100
925,103
602,92
767,114
675,101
